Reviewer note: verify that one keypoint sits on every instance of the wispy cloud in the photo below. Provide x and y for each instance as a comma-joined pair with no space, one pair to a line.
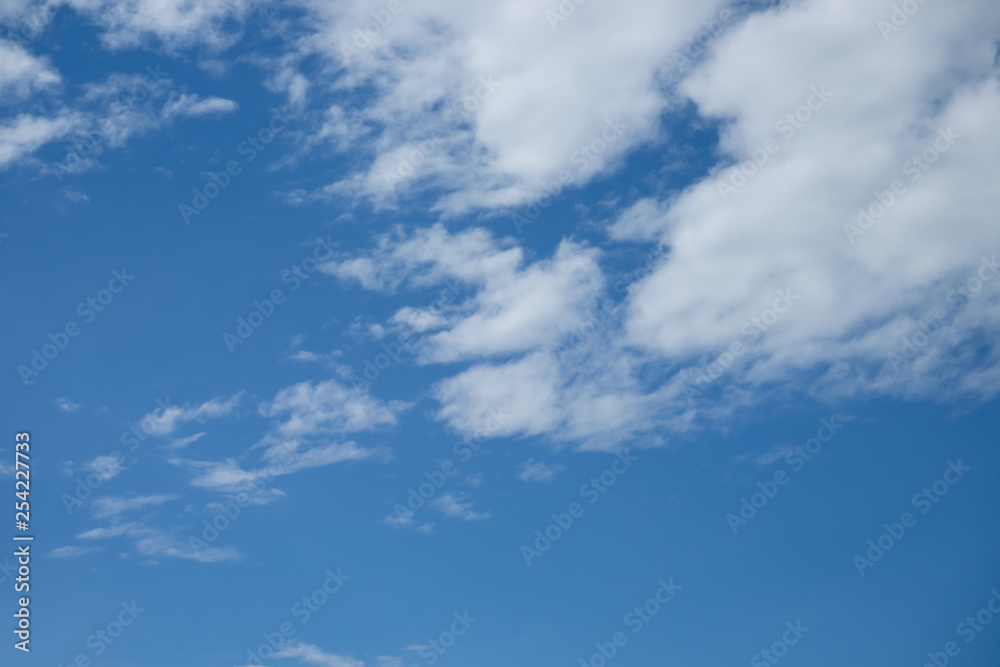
65,405
72,552
165,420
155,543
457,506
313,655
114,506
538,471
180,443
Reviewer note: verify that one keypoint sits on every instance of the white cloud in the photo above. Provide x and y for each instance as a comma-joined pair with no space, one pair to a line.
172,24
65,405
280,459
72,552
326,408
22,73
842,112
107,466
164,421
24,134
543,92
192,105
515,306
313,655
180,443
538,471
403,517
155,543
457,506
114,506
785,227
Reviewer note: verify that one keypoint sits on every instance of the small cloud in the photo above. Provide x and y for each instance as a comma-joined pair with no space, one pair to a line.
776,453
72,552
114,506
163,421
179,443
163,171
538,471
193,106
313,655
403,518
456,506
76,196
65,405
106,466
474,480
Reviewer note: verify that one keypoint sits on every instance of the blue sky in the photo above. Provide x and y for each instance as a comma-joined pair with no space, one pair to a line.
529,333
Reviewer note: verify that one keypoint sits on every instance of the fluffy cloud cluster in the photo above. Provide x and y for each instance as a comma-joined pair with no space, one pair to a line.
843,241
846,239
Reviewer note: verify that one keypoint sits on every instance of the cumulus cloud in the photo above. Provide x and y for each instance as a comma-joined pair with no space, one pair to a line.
844,235
514,306
22,73
492,101
841,113
325,408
